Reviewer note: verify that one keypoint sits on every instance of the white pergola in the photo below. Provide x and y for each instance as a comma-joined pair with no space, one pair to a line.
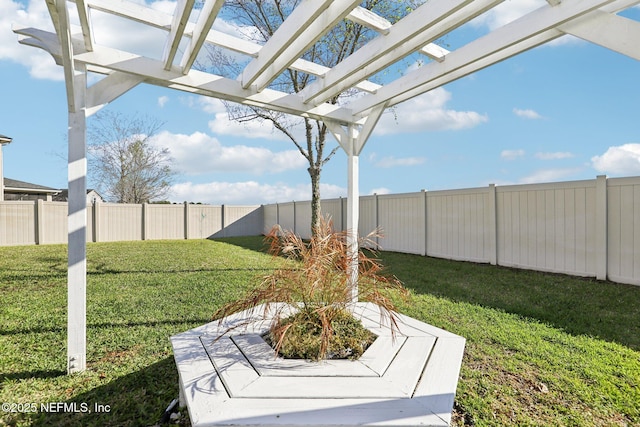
74,47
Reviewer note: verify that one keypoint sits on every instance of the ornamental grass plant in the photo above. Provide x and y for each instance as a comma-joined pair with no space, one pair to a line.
315,280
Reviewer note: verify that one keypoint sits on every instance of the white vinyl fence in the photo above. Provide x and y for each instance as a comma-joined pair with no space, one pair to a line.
583,228
39,222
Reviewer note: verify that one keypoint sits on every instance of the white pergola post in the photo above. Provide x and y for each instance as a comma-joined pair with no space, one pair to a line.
353,215
77,238
352,139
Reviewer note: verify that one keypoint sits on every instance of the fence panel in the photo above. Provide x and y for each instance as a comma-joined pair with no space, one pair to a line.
241,221
287,219
623,221
368,218
303,219
17,223
203,221
548,227
118,222
270,215
164,222
52,224
401,217
332,208
460,224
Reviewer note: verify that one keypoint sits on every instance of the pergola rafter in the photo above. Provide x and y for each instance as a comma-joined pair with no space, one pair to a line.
427,23
179,22
538,27
191,28
306,24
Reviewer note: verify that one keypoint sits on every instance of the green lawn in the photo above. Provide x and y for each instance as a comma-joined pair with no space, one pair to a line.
542,349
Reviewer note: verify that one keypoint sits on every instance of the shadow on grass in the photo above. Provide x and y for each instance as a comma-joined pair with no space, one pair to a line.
107,325
136,399
580,306
15,376
253,243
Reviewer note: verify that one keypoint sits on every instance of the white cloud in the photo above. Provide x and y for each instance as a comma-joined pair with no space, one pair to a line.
200,153
506,12
511,154
391,161
210,105
619,160
162,101
249,192
113,31
221,124
511,10
380,191
34,14
527,114
427,112
550,175
554,156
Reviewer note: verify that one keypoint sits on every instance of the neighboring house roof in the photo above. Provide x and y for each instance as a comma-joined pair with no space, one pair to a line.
13,185
63,195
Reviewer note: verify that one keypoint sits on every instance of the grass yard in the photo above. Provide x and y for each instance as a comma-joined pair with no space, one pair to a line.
542,349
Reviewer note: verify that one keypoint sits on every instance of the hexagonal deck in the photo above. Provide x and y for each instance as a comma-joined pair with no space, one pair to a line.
406,379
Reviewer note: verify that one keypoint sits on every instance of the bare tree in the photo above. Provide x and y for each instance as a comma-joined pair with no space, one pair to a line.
260,19
123,162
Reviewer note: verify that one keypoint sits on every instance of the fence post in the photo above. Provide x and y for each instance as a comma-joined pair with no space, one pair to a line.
39,206
186,220
223,221
294,217
424,221
96,220
493,226
144,221
601,249
341,228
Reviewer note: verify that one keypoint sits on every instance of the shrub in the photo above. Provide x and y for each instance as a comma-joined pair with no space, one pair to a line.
318,285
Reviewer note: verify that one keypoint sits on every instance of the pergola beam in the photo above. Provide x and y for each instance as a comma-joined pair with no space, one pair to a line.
108,89
531,30
614,32
207,16
208,84
303,27
377,23
60,17
153,72
424,25
157,19
85,23
368,19
179,22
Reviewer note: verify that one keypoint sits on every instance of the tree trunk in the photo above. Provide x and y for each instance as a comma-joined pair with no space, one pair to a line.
316,211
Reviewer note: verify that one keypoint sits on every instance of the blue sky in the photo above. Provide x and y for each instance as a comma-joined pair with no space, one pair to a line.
565,111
